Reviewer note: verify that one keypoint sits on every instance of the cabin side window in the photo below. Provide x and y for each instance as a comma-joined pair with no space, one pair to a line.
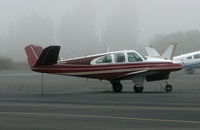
133,57
105,59
197,56
119,57
189,57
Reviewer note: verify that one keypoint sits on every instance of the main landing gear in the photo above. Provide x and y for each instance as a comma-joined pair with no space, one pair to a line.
138,85
117,86
138,81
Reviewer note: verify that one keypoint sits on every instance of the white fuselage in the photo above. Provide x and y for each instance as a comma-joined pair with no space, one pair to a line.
188,59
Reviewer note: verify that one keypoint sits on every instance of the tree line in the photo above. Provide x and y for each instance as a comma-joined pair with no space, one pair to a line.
188,41
76,32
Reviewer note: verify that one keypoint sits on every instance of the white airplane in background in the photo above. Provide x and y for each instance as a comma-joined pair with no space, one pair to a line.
191,61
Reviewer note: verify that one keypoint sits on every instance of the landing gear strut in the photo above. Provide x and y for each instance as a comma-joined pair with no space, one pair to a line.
117,86
138,81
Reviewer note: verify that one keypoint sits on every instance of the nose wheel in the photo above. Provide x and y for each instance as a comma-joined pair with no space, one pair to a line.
168,88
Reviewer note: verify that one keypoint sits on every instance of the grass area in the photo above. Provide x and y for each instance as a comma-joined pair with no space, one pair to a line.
7,63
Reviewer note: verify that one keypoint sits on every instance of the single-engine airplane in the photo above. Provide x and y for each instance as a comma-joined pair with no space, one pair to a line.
111,66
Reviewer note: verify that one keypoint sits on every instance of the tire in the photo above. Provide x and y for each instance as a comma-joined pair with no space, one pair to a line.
138,89
168,88
117,87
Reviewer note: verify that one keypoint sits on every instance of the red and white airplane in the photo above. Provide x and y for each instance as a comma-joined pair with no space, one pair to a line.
111,66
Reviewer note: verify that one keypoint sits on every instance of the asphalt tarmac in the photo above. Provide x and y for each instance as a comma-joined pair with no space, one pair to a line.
77,103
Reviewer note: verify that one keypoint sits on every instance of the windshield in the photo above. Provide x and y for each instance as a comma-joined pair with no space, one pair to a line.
143,56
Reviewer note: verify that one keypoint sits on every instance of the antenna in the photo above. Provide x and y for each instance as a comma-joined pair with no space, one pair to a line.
42,89
108,49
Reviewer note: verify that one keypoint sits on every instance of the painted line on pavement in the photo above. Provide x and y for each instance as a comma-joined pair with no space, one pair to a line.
99,117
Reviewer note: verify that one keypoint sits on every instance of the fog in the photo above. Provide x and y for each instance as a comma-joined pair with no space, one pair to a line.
84,27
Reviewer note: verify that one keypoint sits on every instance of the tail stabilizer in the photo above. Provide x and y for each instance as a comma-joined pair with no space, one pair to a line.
33,53
169,52
39,57
49,56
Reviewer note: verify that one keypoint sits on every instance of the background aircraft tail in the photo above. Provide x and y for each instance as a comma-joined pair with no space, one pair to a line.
40,57
152,52
168,54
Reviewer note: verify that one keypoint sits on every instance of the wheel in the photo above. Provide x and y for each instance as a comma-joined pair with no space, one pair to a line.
168,88
138,89
117,87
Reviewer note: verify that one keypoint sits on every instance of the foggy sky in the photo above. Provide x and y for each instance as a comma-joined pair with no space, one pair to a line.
167,16
153,16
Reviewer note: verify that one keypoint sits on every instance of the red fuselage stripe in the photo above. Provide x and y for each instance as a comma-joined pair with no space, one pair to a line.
69,69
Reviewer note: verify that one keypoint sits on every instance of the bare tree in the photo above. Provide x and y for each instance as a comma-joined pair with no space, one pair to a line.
77,33
121,29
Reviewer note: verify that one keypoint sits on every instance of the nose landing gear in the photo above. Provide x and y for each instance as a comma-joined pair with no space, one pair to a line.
168,88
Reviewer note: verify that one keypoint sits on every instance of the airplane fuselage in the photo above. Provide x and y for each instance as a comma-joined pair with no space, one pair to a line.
111,66
87,67
190,61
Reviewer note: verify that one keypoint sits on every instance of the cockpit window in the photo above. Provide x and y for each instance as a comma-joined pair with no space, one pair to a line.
189,57
143,56
133,57
119,57
197,56
105,59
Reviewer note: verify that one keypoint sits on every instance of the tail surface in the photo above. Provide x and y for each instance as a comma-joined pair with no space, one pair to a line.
168,54
152,52
33,53
41,57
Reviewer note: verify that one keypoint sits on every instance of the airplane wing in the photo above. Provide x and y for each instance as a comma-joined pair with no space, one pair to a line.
131,74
